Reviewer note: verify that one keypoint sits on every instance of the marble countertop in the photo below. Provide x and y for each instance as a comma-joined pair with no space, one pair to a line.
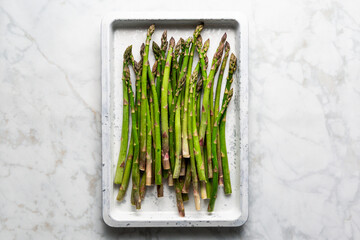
304,131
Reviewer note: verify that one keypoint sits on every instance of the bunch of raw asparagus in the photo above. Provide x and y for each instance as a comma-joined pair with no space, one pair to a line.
171,138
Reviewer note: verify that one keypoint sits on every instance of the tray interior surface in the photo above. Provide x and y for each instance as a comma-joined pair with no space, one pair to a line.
153,209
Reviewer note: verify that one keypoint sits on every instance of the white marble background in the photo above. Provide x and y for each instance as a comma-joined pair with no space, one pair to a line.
304,120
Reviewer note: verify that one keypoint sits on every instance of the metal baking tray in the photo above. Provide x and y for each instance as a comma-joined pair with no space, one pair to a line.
121,30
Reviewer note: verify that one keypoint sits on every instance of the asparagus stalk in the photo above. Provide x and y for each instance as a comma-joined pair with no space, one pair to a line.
125,181
224,158
143,100
143,186
152,119
178,155
212,76
199,86
182,54
213,149
125,125
205,112
171,137
216,108
193,129
135,166
175,64
157,54
158,176
185,144
220,78
208,183
172,111
148,145
183,167
164,108
164,44
160,190
208,145
138,73
197,149
187,175
191,143
208,81
179,198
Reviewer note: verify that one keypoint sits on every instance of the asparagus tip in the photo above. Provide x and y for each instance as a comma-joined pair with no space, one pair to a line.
194,76
182,82
188,41
183,45
126,72
151,29
138,66
178,47
142,49
233,64
199,43
127,53
199,84
198,29
156,50
206,62
164,42
172,42
223,38
154,69
227,46
206,45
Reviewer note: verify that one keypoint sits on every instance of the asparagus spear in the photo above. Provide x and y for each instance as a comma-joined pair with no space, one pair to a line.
183,167
172,124
125,124
208,183
171,137
179,198
164,44
175,64
193,129
185,144
142,187
222,44
197,149
138,73
158,176
213,149
220,78
135,166
208,145
160,190
148,145
216,108
164,108
187,180
178,155
208,81
143,100
191,143
224,159
182,54
199,86
157,54
125,181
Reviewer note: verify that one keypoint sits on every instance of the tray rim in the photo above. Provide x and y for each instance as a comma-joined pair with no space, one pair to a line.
106,26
